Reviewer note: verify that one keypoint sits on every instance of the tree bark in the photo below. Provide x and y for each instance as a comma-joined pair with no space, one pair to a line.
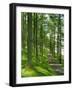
29,39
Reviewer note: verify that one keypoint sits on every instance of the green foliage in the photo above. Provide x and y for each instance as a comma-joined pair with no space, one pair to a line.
42,43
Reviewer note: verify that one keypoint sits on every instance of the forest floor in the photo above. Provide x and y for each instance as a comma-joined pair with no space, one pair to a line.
52,70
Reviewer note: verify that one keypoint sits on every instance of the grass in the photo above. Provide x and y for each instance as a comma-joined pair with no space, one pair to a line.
43,71
27,72
36,71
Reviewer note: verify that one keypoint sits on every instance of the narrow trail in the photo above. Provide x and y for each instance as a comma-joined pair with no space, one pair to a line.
57,68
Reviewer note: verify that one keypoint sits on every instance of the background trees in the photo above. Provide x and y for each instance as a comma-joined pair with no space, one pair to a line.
42,42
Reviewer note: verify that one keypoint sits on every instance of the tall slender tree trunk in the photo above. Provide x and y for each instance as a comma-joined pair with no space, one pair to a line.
51,42
29,39
36,31
22,28
59,39
41,37
35,36
54,43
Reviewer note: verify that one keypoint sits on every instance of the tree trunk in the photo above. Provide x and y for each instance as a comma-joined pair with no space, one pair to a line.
29,39
41,37
59,39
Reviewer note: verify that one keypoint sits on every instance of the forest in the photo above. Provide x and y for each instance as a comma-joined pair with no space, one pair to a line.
42,44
